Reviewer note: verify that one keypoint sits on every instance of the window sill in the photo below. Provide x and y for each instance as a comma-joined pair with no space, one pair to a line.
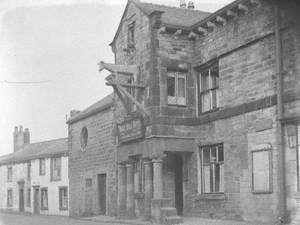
209,111
63,209
177,105
261,192
55,179
213,196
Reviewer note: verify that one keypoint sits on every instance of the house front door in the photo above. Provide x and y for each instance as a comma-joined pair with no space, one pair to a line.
36,200
102,193
21,199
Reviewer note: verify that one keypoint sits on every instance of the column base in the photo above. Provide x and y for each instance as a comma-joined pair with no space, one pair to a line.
156,205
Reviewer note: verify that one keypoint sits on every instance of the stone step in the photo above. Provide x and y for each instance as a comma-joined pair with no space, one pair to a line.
168,211
171,220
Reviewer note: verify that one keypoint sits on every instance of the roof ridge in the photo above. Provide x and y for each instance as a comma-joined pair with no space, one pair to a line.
56,139
168,6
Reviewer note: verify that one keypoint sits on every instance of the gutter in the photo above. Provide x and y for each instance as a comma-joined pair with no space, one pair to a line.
282,206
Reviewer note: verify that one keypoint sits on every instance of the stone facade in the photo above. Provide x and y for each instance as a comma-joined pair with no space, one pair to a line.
241,40
89,164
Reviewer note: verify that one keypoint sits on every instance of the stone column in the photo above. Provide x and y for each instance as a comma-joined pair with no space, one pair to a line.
157,178
130,191
121,190
148,189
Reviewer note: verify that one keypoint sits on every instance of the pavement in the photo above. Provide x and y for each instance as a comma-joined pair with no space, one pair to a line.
187,221
28,219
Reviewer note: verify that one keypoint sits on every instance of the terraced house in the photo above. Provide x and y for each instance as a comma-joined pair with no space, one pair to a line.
207,111
34,178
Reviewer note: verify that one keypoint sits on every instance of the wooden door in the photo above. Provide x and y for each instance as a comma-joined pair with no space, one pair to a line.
21,199
102,193
36,201
178,184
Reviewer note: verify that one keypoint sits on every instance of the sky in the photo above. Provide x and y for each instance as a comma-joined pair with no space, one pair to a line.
56,45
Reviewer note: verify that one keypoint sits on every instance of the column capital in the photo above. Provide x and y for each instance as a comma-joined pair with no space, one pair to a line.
157,160
129,164
121,165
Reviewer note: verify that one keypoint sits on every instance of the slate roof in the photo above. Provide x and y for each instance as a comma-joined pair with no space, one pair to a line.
172,16
99,106
37,150
178,17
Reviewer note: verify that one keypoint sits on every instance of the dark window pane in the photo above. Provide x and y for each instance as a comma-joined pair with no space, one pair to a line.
204,80
220,154
214,153
171,86
217,178
206,155
214,74
181,87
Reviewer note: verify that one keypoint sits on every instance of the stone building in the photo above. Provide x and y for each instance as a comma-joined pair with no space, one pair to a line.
92,160
34,178
207,111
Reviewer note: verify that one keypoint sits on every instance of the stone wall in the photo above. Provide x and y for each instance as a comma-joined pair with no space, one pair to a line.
97,158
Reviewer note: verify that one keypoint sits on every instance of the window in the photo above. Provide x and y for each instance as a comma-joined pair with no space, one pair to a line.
42,167
63,198
261,171
28,170
44,199
212,168
55,169
9,174
84,138
208,86
88,182
176,87
28,197
9,198
131,35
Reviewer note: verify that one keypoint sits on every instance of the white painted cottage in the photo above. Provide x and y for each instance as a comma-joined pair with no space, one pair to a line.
34,178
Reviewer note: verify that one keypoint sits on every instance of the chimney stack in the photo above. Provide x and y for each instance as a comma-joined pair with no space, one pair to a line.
182,4
74,112
20,137
191,5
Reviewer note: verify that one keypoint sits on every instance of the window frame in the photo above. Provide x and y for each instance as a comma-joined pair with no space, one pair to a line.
210,90
8,203
202,164
84,139
131,35
9,174
53,168
270,190
42,173
177,75
42,205
60,198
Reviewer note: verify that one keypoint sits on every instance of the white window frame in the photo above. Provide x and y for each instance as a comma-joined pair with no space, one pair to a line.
201,175
176,100
210,89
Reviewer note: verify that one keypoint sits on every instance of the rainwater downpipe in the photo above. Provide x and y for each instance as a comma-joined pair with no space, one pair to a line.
280,133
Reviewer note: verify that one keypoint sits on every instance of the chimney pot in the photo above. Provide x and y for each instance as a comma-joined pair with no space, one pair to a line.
191,5
26,136
16,129
182,4
21,128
